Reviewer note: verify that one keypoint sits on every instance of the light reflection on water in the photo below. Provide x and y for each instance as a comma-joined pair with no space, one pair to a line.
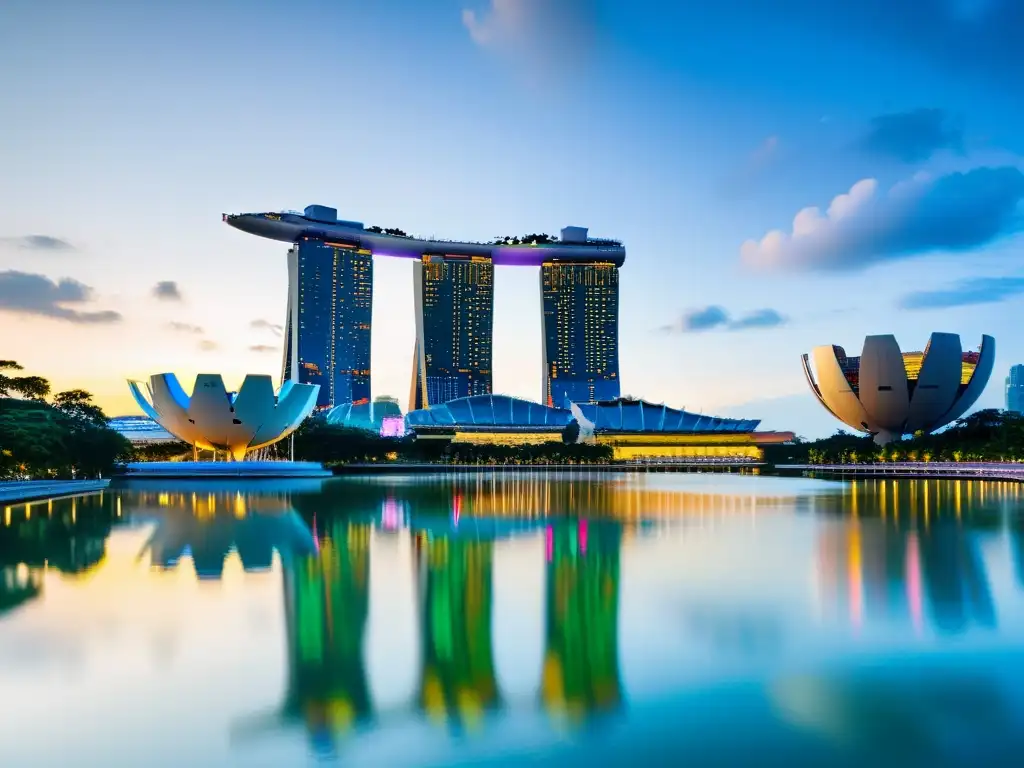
432,620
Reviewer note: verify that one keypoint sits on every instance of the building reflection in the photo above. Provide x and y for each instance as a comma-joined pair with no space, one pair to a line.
64,535
327,598
901,554
581,675
210,524
458,685
536,496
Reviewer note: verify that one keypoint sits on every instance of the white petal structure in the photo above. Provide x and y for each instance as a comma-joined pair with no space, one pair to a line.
889,393
215,419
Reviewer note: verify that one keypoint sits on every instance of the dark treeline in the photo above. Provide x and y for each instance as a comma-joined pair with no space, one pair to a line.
988,435
64,436
318,441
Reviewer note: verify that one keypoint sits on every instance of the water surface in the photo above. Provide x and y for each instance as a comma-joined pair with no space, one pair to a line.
501,618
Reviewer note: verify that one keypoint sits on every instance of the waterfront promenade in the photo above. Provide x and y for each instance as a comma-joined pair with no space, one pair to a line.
17,491
968,470
716,465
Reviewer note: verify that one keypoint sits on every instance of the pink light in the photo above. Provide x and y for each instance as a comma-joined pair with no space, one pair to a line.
583,537
390,513
549,543
456,508
392,426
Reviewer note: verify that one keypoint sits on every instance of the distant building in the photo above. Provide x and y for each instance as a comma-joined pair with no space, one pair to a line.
634,429
1015,389
454,320
330,277
382,416
327,333
580,305
888,393
140,430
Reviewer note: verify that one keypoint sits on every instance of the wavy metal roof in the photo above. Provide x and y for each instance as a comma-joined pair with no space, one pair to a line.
611,416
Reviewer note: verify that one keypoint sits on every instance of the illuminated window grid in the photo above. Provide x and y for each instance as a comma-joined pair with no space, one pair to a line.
507,438
634,452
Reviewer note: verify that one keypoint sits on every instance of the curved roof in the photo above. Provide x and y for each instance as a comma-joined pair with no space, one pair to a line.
640,416
489,411
609,416
293,227
364,415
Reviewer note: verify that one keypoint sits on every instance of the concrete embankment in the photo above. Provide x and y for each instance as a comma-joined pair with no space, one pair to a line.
32,490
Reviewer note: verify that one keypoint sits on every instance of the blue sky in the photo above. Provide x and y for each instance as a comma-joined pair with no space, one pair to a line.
690,130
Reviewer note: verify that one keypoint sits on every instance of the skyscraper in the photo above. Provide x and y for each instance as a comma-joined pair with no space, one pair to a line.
581,332
1015,389
327,334
454,322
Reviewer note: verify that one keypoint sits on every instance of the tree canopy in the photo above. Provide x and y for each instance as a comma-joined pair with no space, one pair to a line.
67,437
986,435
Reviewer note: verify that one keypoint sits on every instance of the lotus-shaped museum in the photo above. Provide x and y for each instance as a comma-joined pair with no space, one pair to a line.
888,393
215,419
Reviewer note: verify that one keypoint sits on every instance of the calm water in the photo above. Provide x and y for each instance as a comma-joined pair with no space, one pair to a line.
500,619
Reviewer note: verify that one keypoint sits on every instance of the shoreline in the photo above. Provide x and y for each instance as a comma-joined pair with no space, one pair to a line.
396,468
991,471
22,491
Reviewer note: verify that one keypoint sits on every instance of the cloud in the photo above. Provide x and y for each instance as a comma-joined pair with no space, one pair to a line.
547,33
913,136
167,290
263,348
715,317
977,37
975,290
207,346
704,319
39,243
266,325
759,318
31,294
956,212
184,327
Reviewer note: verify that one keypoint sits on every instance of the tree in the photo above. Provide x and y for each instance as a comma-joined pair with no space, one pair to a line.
571,433
30,387
77,404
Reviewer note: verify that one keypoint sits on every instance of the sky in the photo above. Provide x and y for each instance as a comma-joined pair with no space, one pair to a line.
782,177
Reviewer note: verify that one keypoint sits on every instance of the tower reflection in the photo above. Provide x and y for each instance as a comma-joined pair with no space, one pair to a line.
458,685
327,599
581,674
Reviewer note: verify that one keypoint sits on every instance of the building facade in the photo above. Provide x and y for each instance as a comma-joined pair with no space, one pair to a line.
327,333
1015,389
327,338
454,298
580,305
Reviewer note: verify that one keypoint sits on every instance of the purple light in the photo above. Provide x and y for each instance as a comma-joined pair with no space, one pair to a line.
391,513
392,426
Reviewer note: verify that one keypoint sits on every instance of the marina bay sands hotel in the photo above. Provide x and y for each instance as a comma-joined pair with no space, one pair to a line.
330,298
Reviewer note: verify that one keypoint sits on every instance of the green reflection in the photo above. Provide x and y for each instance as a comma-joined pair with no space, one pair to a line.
581,662
326,607
457,681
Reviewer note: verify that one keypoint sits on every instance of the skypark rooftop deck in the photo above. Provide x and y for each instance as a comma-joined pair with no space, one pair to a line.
321,223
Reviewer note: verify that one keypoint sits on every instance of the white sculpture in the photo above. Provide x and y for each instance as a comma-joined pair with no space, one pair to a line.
215,419
887,393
